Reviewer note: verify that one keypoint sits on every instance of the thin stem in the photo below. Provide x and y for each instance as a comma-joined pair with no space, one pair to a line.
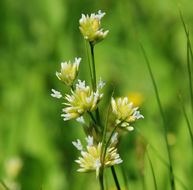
186,31
3,184
104,134
186,118
72,88
93,65
108,141
115,178
152,170
105,150
90,70
101,180
162,115
94,79
162,160
189,73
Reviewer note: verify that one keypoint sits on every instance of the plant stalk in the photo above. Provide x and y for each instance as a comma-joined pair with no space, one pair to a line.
162,116
115,178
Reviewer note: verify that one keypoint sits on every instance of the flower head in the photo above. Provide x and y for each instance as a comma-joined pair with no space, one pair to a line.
90,27
68,71
82,100
90,160
124,112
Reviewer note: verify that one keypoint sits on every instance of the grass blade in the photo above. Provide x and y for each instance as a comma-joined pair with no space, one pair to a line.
161,113
152,170
186,118
3,184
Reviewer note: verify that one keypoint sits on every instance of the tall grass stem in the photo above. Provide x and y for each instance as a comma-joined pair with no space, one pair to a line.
162,115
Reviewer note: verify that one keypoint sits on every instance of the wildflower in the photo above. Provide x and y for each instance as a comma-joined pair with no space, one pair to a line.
68,72
77,144
81,120
90,27
56,94
82,100
90,160
124,112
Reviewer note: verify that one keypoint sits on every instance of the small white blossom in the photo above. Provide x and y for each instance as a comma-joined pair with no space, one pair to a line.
101,84
77,144
56,94
137,115
114,137
80,120
130,128
89,140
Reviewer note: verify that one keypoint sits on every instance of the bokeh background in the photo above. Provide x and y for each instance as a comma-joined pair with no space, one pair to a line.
36,148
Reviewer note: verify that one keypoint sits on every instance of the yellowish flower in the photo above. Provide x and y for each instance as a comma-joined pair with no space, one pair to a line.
90,27
124,112
68,72
90,160
82,100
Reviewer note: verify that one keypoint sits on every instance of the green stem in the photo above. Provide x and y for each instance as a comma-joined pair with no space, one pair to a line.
101,180
105,132
186,118
162,160
90,70
189,74
186,31
115,178
3,184
94,80
93,65
162,116
105,150
152,170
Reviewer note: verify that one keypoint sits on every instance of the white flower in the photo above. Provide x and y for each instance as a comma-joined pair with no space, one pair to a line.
91,158
114,137
124,112
68,72
77,144
80,120
90,27
101,84
137,115
56,94
89,140
82,100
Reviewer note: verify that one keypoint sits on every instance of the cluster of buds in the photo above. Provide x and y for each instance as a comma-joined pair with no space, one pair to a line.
90,27
91,156
84,99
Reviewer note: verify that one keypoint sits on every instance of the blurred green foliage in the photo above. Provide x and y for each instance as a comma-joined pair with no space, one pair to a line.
35,36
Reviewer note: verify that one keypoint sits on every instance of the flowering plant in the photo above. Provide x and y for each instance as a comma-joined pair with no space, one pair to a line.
101,151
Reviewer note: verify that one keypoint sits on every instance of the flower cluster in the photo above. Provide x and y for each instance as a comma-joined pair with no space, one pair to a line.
124,112
91,156
90,27
68,72
82,100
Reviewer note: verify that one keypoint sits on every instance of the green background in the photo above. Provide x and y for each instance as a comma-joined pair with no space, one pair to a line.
36,36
